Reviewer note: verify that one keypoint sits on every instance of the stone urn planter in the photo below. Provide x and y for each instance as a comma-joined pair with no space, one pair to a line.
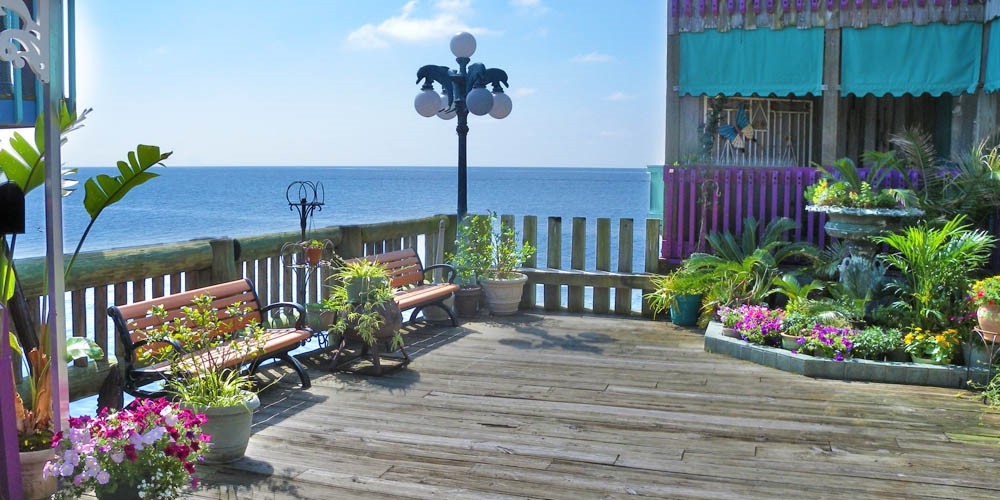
467,301
857,225
33,486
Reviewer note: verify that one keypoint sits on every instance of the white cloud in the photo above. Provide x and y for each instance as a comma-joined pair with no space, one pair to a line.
593,57
619,96
523,91
529,6
408,28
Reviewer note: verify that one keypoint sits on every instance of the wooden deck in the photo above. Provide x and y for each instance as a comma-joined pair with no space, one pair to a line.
578,407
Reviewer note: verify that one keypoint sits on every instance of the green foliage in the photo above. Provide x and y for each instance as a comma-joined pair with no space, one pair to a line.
776,249
796,292
25,166
204,374
362,314
874,342
472,249
488,248
935,264
684,280
313,244
844,186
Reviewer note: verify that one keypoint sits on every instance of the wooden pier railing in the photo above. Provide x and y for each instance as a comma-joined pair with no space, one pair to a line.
584,281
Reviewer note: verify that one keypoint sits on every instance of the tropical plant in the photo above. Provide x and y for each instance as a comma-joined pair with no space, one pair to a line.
24,165
968,185
314,244
206,375
154,445
776,248
361,311
935,264
844,186
939,345
795,291
684,280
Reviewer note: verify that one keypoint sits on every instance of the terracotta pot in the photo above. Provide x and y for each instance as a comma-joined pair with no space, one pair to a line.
314,255
989,322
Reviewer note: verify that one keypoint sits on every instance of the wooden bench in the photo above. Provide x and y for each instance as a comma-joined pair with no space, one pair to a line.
132,320
407,277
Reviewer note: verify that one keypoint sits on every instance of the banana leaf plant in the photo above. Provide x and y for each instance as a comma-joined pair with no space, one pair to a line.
24,164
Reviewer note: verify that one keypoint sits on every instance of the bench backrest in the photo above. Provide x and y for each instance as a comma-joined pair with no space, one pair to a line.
133,321
403,266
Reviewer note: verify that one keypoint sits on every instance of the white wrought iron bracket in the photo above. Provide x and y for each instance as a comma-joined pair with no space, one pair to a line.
29,43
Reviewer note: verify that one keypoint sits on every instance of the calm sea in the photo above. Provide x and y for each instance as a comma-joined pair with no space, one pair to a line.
196,202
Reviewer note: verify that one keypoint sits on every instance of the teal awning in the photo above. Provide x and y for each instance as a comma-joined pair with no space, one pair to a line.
991,80
763,62
907,59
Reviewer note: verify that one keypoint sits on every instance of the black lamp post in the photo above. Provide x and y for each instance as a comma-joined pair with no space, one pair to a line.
464,92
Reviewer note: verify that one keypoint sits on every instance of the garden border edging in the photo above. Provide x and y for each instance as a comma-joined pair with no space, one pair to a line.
853,370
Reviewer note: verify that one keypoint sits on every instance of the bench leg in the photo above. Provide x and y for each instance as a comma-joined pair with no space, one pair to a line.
297,366
448,310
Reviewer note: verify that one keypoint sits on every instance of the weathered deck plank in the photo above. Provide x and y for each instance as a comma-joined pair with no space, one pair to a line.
558,406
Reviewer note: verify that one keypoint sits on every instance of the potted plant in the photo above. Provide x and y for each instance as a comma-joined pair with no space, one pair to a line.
858,207
209,386
680,292
34,420
876,342
471,260
985,296
362,304
935,348
502,285
149,450
313,250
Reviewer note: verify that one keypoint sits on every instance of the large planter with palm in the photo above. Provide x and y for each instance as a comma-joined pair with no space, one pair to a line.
502,284
857,208
211,384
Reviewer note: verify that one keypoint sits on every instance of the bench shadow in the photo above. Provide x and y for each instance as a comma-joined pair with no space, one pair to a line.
247,478
538,337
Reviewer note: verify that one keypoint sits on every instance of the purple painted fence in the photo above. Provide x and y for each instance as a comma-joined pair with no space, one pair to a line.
700,200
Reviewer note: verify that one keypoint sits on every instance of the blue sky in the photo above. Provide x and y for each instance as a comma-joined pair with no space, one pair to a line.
331,82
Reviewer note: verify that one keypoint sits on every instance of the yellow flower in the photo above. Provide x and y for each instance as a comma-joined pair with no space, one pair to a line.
921,337
939,339
908,339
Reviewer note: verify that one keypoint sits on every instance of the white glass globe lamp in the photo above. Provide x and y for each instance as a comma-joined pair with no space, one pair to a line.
501,105
479,101
463,44
427,103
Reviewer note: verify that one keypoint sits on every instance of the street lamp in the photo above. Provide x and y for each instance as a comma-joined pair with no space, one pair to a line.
463,92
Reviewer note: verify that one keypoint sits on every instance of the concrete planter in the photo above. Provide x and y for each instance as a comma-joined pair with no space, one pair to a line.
503,296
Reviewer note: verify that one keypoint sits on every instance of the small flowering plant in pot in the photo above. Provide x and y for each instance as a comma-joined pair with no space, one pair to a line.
153,447
985,297
759,324
829,341
926,346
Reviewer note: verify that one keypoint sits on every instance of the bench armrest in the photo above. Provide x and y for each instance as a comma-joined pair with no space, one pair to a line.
449,271
300,323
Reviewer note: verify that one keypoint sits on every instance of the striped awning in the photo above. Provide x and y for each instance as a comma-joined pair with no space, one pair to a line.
906,59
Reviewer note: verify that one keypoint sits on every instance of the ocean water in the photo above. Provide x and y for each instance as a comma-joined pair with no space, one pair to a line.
196,202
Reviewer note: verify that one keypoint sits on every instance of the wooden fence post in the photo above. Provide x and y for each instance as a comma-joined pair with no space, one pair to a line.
553,295
223,260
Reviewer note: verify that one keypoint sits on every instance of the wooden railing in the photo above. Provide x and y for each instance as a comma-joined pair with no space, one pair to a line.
126,275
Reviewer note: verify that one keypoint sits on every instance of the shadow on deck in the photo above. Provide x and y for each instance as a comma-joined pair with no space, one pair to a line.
560,406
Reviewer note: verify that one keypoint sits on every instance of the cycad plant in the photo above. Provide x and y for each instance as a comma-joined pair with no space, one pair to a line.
935,265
